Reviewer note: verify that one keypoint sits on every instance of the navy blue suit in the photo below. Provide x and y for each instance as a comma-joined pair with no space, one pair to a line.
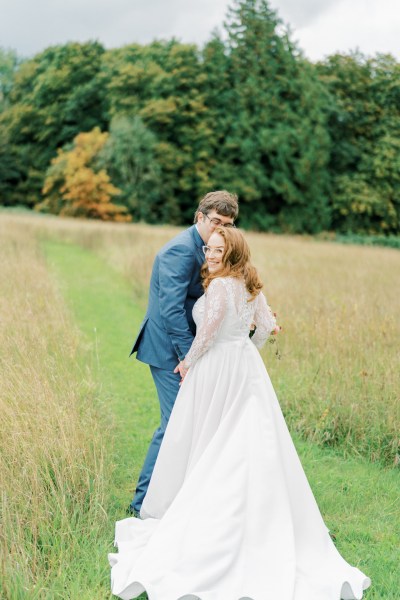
168,329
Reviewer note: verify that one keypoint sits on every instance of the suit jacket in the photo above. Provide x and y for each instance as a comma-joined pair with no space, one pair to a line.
168,329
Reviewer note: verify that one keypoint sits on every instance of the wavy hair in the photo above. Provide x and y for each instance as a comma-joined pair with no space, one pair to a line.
223,202
235,262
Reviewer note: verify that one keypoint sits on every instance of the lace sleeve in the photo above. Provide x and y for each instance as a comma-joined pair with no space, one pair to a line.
264,320
214,312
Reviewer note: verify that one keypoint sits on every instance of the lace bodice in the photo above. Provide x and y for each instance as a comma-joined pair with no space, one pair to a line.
223,314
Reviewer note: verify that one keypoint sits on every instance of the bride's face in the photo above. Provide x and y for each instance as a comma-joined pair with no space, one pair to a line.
215,252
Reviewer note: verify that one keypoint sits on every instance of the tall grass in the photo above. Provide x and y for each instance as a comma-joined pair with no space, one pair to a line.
337,382
338,379
53,472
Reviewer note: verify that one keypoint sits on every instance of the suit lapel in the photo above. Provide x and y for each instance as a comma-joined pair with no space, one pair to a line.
199,244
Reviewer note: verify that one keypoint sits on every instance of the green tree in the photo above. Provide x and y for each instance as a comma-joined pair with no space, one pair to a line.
364,126
221,117
9,62
163,84
21,174
9,172
129,155
12,157
278,142
53,97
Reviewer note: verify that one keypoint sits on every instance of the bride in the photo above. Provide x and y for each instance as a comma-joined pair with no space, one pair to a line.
229,514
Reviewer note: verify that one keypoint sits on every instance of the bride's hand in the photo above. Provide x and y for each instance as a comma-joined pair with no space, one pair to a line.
182,370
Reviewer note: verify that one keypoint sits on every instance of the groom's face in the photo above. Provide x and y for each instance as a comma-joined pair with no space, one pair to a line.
207,223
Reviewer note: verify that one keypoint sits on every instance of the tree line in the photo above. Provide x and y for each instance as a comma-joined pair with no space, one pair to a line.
143,131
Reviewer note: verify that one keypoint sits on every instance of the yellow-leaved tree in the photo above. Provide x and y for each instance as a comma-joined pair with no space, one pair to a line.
74,187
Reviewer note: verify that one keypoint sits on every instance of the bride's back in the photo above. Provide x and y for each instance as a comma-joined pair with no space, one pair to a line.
239,308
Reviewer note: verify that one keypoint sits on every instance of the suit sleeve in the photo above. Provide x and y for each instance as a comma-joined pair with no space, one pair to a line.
175,269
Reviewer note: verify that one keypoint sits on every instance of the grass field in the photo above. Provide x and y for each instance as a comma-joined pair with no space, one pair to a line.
77,415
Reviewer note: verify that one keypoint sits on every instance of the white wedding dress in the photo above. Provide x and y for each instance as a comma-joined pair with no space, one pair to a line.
229,513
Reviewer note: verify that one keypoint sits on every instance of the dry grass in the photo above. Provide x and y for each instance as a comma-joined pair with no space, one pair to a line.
339,377
338,383
52,475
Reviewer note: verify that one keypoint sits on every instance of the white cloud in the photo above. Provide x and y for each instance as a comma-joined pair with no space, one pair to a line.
31,25
320,26
368,25
299,13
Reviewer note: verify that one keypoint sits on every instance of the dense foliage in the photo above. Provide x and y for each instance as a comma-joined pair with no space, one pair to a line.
306,147
365,155
75,187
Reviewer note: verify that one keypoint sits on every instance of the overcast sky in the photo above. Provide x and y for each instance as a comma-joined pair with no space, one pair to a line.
321,27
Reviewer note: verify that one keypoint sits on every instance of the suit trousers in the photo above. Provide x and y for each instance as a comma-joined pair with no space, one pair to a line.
167,385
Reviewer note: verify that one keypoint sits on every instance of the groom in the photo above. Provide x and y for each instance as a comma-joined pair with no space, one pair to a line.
168,329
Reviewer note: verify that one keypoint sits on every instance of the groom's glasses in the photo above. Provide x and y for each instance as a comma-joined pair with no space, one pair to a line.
218,222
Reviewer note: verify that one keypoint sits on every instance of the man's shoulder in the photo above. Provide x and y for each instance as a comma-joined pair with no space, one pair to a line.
184,240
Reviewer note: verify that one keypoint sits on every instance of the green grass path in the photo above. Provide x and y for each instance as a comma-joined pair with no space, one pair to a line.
102,305
360,502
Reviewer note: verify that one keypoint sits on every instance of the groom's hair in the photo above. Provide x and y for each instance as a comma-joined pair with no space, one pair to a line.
222,202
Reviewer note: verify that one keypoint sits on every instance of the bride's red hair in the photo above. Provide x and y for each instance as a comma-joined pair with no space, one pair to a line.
235,260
